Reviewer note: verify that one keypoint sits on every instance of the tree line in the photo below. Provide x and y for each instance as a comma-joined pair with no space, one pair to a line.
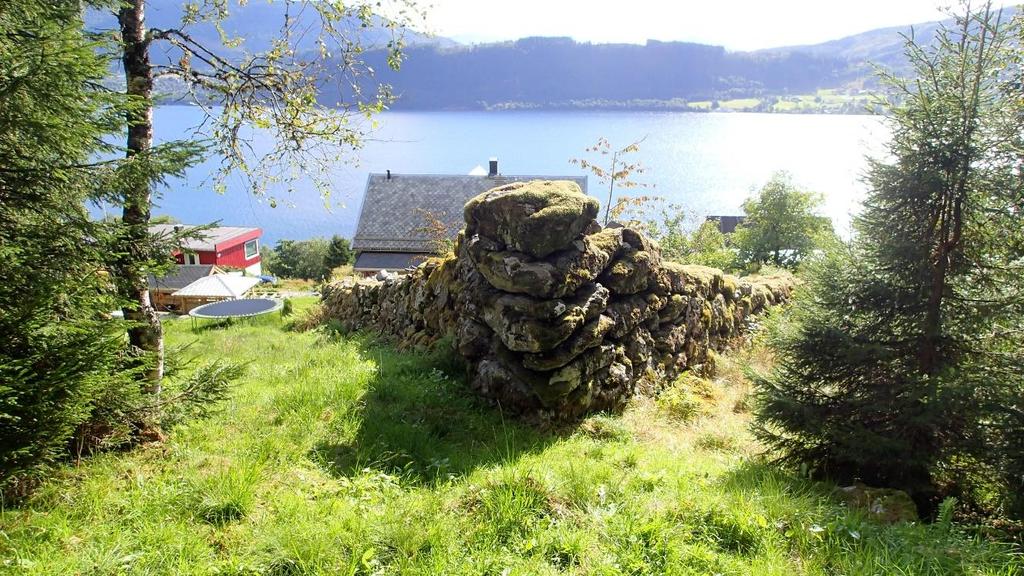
545,71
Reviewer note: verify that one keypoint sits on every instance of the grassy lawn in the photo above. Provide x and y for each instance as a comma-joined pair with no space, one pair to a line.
335,455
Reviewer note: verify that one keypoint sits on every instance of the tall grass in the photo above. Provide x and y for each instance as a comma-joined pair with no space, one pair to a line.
339,456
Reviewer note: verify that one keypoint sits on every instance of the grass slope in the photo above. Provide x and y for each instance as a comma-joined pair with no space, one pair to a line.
338,456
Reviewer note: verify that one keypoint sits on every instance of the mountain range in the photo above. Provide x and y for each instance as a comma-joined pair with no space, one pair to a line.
439,73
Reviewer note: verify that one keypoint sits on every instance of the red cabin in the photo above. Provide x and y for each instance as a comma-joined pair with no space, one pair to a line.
223,246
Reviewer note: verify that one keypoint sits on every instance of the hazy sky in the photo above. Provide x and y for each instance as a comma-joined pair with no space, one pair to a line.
735,24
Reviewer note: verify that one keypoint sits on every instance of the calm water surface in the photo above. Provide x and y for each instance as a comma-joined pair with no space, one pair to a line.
707,162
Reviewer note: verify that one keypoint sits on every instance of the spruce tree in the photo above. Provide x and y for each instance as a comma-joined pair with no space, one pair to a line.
902,362
57,350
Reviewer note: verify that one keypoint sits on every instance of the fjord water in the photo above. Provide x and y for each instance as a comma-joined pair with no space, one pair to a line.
708,163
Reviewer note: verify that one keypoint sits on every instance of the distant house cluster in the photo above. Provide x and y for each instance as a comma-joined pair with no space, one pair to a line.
401,214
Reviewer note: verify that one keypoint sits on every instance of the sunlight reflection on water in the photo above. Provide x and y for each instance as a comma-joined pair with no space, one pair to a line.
707,162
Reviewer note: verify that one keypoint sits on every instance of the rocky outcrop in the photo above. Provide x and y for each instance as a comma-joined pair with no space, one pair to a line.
554,315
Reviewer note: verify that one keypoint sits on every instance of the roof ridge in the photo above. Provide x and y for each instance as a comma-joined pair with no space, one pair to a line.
481,176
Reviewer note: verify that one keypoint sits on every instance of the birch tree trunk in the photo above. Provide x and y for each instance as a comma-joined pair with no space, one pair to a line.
147,334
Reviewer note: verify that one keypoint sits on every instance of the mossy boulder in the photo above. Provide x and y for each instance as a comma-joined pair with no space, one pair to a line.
590,335
630,273
526,324
674,309
575,374
693,279
508,383
559,274
524,334
473,338
632,311
517,273
537,218
588,301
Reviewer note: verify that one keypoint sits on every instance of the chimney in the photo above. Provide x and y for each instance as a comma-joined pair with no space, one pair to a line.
493,171
389,174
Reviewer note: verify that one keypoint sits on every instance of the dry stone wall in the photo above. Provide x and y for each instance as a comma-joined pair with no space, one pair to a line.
554,315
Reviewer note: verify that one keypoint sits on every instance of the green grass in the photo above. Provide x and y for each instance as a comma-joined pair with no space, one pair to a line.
739,103
338,456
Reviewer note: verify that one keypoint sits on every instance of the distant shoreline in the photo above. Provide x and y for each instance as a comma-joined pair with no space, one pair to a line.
518,107
608,109
822,103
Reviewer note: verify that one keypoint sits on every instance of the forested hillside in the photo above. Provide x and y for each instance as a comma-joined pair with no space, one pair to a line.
538,72
439,73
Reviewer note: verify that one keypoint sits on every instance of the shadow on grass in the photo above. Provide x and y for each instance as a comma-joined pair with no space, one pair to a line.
420,420
758,476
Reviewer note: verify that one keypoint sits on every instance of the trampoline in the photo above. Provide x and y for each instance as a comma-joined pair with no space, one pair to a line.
243,308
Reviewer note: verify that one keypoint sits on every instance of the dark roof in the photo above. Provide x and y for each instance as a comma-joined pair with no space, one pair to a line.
392,214
392,261
727,224
180,276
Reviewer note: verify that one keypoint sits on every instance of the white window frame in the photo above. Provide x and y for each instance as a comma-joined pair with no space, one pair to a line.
192,258
256,248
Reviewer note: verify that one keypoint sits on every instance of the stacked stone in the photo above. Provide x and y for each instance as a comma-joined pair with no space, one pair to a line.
555,315
564,317
415,309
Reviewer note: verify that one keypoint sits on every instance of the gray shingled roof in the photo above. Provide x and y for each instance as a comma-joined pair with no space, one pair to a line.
180,276
393,209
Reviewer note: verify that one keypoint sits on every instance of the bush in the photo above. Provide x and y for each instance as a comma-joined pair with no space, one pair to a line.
305,259
313,259
339,253
705,244
781,225
687,399
50,386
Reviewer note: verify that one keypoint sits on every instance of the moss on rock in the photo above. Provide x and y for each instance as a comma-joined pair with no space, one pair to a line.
536,218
